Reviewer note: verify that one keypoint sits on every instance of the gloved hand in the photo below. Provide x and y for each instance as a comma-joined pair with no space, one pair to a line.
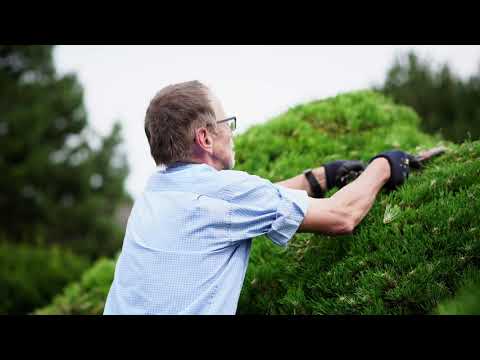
339,173
400,164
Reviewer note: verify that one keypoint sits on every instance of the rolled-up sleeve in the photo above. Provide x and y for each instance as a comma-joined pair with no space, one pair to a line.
258,207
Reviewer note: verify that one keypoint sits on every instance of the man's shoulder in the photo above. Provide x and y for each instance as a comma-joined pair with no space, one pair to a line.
234,174
233,177
223,184
236,184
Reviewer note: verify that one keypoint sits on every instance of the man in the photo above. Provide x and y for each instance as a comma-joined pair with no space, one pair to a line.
188,237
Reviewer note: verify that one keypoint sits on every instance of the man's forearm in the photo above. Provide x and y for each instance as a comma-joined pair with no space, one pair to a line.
354,199
358,197
300,182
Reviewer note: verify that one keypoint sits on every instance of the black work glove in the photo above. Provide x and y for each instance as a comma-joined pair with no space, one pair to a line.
400,163
339,173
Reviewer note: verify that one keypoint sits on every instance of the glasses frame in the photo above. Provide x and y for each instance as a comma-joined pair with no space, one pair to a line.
234,118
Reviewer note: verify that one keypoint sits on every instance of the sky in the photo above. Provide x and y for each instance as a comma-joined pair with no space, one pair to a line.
254,82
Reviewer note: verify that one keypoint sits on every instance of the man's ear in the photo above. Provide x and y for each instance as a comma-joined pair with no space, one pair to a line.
204,139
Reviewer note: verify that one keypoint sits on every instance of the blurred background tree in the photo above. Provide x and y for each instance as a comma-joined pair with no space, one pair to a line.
446,103
61,183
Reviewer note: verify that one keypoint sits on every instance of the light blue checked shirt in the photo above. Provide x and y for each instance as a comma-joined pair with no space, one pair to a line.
188,239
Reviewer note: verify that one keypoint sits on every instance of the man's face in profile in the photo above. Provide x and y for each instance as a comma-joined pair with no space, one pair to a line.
223,145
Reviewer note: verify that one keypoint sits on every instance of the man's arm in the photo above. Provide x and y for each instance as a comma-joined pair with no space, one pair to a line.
300,182
342,212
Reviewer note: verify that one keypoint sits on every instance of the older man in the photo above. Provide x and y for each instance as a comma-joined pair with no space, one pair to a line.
189,234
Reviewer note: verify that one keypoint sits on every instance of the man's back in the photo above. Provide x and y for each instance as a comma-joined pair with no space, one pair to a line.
188,239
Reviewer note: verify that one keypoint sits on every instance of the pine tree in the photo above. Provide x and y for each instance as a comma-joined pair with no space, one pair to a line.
446,103
57,187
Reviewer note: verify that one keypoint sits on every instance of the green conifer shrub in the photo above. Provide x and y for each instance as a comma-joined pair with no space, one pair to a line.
30,276
467,299
413,250
87,296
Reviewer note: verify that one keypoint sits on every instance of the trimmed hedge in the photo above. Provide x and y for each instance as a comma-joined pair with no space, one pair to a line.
30,276
413,250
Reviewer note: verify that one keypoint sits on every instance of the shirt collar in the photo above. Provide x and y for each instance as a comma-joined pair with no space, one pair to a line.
179,164
182,165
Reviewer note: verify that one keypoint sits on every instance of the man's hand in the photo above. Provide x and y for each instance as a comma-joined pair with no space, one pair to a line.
342,212
339,173
400,163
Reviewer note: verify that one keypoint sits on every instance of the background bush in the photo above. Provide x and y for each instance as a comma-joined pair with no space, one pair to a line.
413,250
87,296
30,276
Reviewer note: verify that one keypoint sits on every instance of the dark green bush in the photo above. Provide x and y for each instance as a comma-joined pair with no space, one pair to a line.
87,296
419,256
31,276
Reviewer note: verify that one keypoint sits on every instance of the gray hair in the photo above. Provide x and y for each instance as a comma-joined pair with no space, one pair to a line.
172,117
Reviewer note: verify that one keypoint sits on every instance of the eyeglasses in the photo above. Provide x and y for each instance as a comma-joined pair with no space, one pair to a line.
232,122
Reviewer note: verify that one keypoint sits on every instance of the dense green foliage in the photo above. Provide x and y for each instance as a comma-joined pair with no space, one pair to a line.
466,301
414,248
30,276
447,103
403,266
87,296
53,180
